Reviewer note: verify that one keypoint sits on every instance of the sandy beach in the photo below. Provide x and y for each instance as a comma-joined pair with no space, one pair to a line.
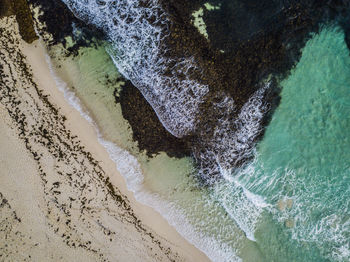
62,198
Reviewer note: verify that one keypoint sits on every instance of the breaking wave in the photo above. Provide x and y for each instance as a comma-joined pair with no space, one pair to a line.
233,137
136,31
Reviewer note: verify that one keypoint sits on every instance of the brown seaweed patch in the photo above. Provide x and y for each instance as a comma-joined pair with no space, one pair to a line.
6,8
25,20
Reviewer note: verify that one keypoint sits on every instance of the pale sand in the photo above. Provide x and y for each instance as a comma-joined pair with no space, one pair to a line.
55,202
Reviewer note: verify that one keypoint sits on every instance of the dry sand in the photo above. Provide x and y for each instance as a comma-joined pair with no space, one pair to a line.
61,197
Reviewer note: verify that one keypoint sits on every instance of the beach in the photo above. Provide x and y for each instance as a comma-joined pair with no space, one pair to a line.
130,133
62,196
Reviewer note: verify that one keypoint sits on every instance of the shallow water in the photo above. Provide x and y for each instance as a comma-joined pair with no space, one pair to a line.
290,204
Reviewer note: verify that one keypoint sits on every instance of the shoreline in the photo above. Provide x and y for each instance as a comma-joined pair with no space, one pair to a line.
156,233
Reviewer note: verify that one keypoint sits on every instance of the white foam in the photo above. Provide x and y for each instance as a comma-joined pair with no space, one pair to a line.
242,205
331,228
233,139
136,33
130,168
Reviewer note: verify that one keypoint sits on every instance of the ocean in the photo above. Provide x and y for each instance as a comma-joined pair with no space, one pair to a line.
290,202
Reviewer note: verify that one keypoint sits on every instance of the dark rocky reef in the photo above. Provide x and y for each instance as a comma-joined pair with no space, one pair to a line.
6,8
147,129
24,18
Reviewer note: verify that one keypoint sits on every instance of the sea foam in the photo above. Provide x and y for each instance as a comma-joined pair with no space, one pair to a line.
136,32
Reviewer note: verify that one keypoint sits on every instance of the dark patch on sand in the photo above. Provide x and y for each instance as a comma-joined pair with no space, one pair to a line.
6,8
24,18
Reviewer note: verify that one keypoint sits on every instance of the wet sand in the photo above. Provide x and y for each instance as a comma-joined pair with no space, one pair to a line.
62,198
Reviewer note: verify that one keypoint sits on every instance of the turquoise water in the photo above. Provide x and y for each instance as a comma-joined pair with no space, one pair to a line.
302,168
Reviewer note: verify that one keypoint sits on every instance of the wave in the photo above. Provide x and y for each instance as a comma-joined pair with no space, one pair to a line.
136,31
233,139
